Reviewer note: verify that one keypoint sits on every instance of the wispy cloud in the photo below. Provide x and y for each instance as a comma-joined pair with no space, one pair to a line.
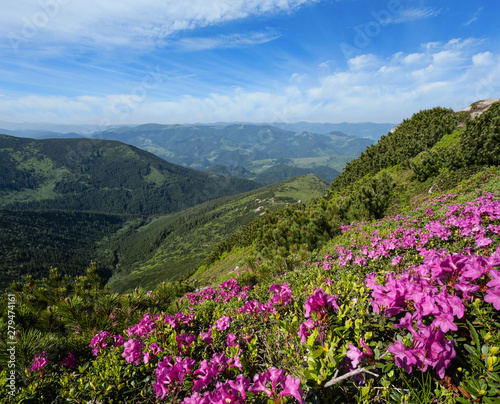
475,16
237,40
124,23
415,14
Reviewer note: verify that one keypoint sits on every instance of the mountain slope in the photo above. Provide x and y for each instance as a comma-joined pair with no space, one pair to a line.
32,242
281,172
101,175
168,248
433,150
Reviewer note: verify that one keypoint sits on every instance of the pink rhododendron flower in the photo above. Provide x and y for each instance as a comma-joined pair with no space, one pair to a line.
223,323
493,296
155,348
232,340
292,388
303,332
282,294
204,374
276,376
99,341
241,385
166,373
133,351
40,360
144,328
119,340
259,384
207,336
356,355
320,302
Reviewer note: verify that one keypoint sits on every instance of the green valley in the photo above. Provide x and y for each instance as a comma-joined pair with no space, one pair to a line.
168,248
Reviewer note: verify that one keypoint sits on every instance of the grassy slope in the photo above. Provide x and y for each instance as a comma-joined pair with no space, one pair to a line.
337,162
168,248
407,189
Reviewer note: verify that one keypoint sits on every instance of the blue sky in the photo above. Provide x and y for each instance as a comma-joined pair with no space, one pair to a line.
117,62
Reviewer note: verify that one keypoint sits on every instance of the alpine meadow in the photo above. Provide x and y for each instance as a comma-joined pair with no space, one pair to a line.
381,286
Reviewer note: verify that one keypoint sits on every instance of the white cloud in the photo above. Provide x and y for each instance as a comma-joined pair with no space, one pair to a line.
110,23
447,57
363,62
475,16
371,88
483,59
413,58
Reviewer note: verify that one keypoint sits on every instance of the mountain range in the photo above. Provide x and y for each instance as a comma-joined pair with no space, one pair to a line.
285,292
202,146
241,150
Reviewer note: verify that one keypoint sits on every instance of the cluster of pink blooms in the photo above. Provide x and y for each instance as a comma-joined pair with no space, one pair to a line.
356,355
320,303
133,351
273,382
168,373
206,376
224,292
209,377
69,361
281,296
100,341
465,220
432,295
39,361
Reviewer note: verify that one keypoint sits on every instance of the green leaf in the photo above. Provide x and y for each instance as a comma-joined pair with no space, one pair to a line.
318,352
493,376
476,338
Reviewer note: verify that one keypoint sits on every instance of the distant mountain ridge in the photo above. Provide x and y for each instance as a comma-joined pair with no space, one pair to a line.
222,147
369,130
202,146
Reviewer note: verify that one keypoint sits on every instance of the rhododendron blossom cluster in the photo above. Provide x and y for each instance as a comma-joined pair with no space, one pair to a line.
225,292
432,295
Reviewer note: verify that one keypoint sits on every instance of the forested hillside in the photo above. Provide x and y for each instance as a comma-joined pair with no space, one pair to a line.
387,289
102,176
34,241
